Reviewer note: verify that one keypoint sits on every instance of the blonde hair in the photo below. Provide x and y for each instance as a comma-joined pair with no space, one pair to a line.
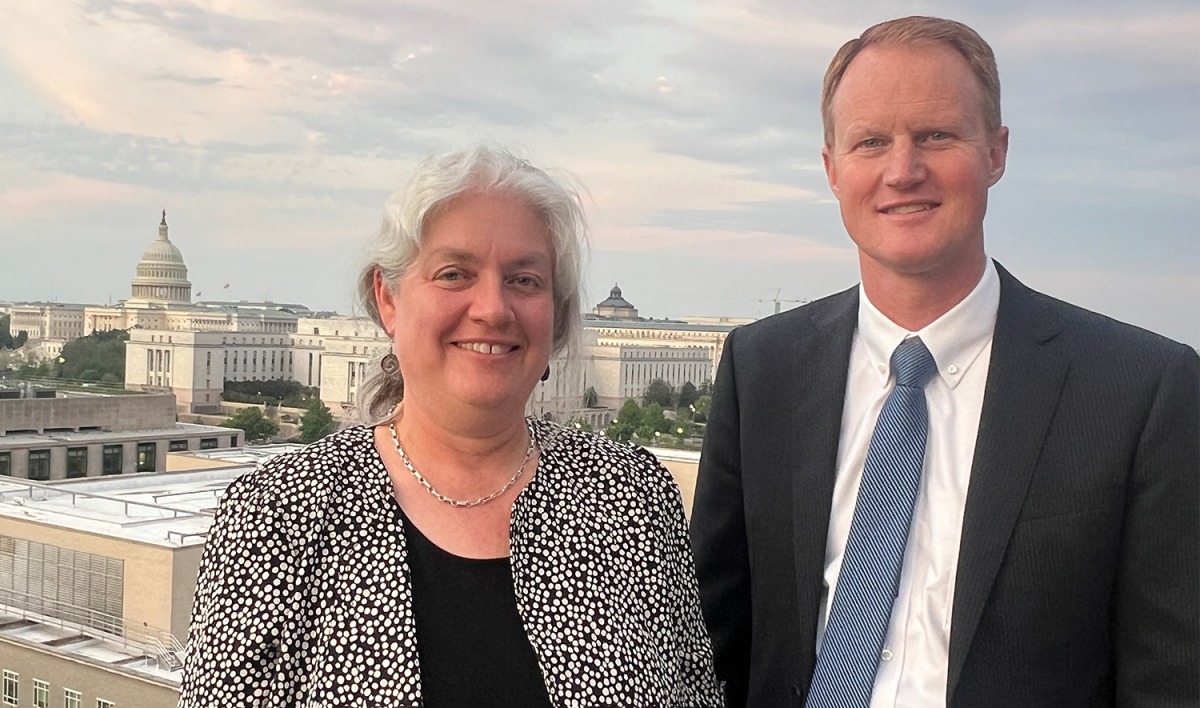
434,183
916,31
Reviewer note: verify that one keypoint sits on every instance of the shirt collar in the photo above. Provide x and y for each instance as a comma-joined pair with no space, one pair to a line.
955,339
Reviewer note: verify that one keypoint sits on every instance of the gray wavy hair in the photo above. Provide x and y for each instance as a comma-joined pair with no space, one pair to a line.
438,180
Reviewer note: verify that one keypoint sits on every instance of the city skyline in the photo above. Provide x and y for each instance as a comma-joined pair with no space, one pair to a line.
273,132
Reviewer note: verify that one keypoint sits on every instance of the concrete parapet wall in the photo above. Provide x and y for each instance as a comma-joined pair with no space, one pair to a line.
76,412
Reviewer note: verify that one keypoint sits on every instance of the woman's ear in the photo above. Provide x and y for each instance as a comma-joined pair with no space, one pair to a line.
385,302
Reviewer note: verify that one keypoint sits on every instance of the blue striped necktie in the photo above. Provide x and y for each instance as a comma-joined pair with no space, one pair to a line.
844,676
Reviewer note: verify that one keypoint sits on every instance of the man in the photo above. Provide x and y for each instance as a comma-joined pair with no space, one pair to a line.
942,488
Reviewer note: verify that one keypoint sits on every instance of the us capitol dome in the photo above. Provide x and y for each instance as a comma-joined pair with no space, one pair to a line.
162,274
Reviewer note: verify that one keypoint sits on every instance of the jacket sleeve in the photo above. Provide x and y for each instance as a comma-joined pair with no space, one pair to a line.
1156,618
242,643
719,535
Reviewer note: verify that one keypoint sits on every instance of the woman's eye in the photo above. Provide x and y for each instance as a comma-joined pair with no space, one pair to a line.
526,281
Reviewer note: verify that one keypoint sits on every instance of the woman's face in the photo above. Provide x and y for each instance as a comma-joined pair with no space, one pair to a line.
473,318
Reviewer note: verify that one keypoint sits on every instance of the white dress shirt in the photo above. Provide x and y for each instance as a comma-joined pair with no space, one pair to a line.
913,665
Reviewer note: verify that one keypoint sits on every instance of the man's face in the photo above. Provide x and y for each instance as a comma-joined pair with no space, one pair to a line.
912,160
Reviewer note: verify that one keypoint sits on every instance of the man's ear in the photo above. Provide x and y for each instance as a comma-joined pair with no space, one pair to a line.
830,169
998,155
385,301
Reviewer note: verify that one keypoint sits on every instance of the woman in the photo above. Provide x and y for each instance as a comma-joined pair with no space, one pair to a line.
456,553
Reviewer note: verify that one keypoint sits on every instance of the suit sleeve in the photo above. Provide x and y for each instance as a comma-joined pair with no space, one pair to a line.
719,536
1156,618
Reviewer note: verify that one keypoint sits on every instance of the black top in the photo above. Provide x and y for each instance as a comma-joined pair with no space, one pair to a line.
471,643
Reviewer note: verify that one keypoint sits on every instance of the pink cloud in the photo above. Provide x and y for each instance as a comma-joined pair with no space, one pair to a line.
63,190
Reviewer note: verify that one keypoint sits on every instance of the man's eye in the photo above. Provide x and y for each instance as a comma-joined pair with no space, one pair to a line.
871,143
449,275
526,281
938,135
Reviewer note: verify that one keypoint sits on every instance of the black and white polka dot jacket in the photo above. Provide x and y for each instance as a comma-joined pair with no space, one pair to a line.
304,600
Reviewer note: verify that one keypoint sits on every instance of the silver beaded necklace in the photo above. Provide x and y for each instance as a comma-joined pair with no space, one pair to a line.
457,502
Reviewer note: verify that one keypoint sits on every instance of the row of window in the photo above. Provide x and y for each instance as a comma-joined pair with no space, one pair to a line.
112,458
248,363
41,694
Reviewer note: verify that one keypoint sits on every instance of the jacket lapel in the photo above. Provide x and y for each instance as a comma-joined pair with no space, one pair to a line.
820,362
1025,378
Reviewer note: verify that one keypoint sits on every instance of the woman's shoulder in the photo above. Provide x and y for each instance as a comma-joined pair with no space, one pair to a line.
590,459
309,476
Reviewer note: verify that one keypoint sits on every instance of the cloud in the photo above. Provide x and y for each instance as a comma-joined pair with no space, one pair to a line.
62,192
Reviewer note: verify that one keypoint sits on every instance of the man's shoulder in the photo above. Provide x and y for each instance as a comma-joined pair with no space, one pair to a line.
1093,336
830,311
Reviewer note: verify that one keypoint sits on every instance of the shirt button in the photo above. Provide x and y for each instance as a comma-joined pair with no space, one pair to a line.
952,369
887,655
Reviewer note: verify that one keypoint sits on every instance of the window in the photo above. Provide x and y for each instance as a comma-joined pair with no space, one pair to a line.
72,699
39,465
208,363
76,462
112,459
10,688
232,441
177,446
41,694
208,443
6,464
101,703
146,454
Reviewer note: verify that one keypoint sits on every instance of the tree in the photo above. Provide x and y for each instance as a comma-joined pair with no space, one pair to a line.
706,388
39,370
627,421
100,356
6,340
256,427
580,424
687,395
702,405
653,421
660,392
316,423
20,339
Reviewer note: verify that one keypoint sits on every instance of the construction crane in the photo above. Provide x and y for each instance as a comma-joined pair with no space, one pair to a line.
777,300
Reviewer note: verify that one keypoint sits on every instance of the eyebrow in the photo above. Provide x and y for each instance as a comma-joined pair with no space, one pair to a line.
460,255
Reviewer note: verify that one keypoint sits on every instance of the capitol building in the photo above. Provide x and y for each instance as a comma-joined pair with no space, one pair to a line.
191,348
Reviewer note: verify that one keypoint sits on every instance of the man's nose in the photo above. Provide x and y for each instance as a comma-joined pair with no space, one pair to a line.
490,303
905,167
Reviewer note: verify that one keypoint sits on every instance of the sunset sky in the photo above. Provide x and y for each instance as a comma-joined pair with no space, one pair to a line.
273,131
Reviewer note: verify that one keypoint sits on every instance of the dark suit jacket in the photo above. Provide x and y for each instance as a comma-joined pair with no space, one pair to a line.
1078,576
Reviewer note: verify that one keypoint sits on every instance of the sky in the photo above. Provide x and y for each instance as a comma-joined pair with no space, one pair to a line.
273,132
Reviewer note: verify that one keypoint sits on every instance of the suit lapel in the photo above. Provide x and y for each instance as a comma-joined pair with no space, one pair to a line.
821,361
1025,378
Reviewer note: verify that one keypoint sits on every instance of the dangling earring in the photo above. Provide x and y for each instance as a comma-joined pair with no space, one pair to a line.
390,364
546,376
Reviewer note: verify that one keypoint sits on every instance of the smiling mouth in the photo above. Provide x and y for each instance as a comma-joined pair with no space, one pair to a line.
485,348
909,208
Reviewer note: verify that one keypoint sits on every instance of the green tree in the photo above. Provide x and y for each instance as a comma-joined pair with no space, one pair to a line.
100,356
702,406
687,395
653,421
627,421
706,388
39,370
256,427
6,340
316,423
660,392
20,339
580,424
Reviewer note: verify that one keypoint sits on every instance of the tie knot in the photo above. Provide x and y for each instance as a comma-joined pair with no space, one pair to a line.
912,363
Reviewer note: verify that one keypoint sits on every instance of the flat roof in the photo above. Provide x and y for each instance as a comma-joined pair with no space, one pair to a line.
164,509
91,646
94,437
